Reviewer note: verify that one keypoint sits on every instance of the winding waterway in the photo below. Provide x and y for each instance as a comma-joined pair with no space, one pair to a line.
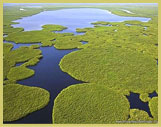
48,74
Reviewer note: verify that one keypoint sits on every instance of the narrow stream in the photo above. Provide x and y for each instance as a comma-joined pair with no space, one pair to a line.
15,46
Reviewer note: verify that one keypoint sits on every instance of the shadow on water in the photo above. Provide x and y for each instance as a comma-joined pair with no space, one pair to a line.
49,76
136,103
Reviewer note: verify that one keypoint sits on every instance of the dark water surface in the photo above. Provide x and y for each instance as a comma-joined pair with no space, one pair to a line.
15,46
48,74
136,103
154,94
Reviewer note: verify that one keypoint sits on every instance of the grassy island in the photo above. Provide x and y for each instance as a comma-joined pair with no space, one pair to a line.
20,100
90,103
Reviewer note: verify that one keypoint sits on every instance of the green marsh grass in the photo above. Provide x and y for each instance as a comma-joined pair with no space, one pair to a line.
139,116
88,104
20,100
118,59
28,55
153,105
114,67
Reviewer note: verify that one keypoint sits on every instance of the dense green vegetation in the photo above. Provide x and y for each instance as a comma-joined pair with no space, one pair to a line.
145,97
139,115
30,36
134,37
68,42
90,103
153,104
114,67
119,58
51,27
20,100
29,55
19,73
47,37
8,30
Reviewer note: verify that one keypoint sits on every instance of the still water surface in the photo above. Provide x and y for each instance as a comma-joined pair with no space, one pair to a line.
48,74
71,18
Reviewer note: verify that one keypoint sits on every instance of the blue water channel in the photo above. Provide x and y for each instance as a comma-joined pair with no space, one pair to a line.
48,74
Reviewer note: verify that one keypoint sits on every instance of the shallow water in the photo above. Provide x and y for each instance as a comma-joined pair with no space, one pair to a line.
48,74
71,18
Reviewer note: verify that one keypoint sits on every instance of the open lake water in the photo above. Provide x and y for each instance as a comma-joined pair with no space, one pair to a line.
48,74
71,18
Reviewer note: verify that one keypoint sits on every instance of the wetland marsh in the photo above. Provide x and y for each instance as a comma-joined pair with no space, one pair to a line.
86,64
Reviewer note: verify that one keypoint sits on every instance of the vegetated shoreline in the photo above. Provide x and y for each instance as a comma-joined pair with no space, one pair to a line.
118,12
37,86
